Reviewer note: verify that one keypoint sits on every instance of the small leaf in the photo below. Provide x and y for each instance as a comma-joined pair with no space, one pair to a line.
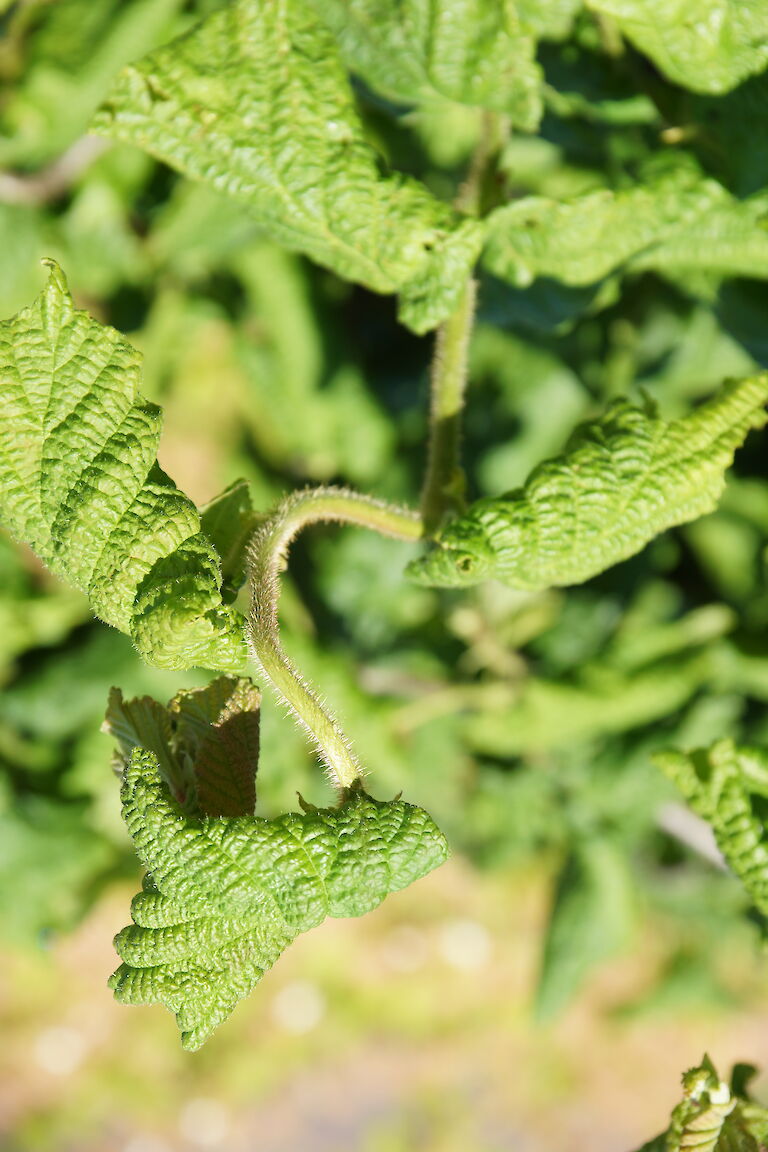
224,897
205,741
706,45
727,786
255,102
79,483
622,479
229,521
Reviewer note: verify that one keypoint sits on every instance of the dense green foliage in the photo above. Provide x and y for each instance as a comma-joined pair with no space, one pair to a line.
277,171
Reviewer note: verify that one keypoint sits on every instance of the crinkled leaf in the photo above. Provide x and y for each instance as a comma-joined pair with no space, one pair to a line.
674,221
727,786
714,1116
205,742
622,479
224,897
706,45
471,51
255,102
228,521
79,483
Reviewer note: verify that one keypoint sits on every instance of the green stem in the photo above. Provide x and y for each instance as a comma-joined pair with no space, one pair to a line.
443,491
444,483
267,557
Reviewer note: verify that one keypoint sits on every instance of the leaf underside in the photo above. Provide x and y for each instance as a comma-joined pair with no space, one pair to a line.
727,786
255,101
80,483
224,897
205,740
621,480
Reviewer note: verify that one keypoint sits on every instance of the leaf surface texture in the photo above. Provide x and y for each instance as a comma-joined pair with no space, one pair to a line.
473,52
80,483
621,480
224,897
727,786
255,101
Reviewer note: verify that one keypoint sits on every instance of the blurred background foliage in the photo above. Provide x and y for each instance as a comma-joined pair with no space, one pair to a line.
583,890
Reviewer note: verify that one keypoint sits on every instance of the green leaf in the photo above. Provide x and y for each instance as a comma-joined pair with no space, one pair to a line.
622,479
591,919
80,484
714,1116
229,521
205,742
674,221
255,102
551,20
224,897
727,786
474,52
705,45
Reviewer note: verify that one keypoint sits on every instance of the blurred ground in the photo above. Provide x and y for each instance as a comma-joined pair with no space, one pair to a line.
407,1030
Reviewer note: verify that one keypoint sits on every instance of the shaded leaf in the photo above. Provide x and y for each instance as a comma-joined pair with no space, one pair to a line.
205,742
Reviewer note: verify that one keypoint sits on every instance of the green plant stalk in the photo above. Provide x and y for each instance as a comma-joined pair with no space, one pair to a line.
267,557
444,484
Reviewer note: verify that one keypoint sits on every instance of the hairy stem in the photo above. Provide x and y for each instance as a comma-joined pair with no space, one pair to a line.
267,557
444,484
443,491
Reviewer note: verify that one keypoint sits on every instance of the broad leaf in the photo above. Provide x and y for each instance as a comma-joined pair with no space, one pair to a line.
674,221
622,479
472,51
706,45
714,1116
224,897
727,786
255,102
79,483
